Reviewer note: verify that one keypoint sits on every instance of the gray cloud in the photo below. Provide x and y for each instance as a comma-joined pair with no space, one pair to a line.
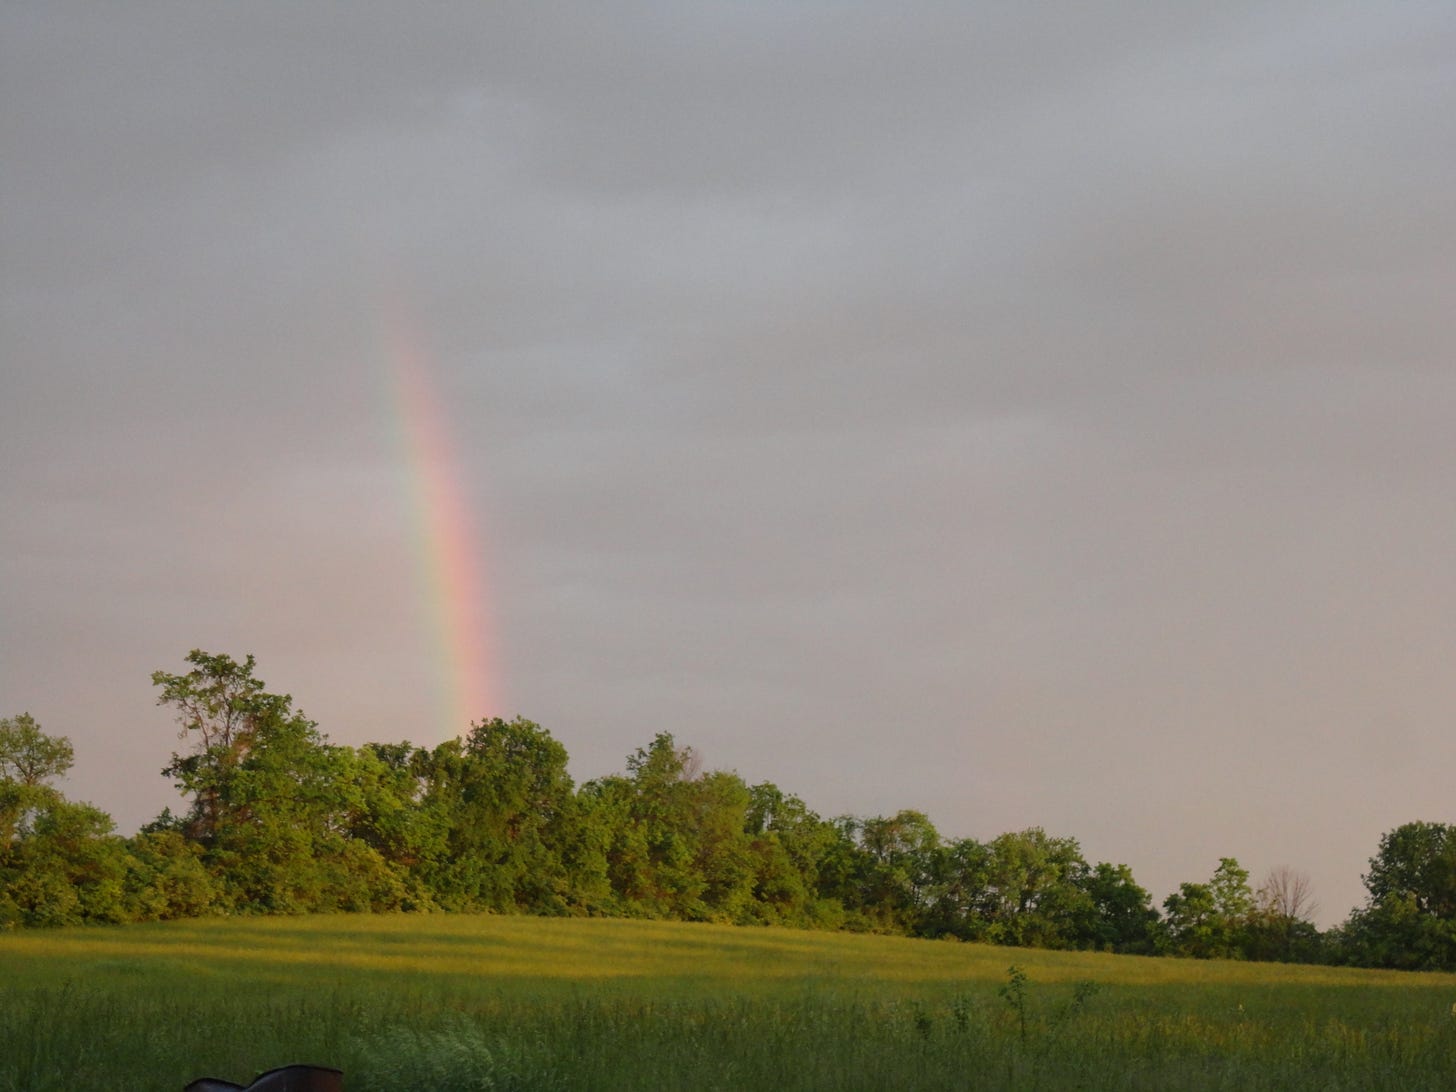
1026,414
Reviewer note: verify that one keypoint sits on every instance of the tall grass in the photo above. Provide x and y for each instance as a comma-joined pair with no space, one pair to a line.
444,1003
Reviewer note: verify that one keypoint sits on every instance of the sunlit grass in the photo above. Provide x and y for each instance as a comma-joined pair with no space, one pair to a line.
506,1002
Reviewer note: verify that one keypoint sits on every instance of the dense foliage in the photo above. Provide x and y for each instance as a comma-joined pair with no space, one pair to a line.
280,821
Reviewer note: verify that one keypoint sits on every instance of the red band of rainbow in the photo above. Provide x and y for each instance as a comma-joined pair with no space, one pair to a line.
449,550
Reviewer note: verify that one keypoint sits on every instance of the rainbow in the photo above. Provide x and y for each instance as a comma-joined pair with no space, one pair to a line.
448,549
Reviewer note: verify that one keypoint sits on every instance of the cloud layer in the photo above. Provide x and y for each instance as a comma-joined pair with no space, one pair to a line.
1030,415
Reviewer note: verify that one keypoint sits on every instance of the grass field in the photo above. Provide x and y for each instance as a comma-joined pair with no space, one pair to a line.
456,1002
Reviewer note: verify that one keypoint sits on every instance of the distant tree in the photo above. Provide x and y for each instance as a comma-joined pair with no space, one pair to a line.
495,804
842,867
901,865
1418,861
1287,893
282,842
1037,894
30,757
646,834
717,825
959,898
272,802
222,707
1231,892
1280,926
67,868
166,878
788,843
1409,920
1190,922
60,862
219,701
1122,917
387,813
1210,920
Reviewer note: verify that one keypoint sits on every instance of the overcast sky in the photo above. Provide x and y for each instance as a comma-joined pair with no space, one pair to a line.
1030,414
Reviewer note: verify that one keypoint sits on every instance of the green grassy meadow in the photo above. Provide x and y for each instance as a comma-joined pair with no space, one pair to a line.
441,1002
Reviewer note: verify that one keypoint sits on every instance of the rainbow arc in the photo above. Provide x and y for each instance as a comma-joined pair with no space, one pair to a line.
448,546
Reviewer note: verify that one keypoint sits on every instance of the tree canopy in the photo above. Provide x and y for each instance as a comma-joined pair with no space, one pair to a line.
1409,920
28,756
277,819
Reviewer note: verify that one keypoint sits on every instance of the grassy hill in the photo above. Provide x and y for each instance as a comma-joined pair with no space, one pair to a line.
443,1002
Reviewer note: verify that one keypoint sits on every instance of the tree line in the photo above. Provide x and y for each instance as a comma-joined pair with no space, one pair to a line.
281,821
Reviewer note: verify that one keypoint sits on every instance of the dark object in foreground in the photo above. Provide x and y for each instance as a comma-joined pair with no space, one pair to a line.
289,1078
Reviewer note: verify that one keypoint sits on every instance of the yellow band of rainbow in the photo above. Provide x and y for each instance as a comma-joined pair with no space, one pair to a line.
448,548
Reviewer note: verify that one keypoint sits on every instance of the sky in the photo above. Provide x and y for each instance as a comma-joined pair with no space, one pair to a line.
1028,414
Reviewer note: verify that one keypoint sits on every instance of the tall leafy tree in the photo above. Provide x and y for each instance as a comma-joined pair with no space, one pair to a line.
500,798
60,863
843,868
650,824
387,813
901,863
221,708
789,844
68,868
1036,893
960,897
1210,920
1417,861
271,798
28,756
1122,916
29,760
717,805
1409,920
166,877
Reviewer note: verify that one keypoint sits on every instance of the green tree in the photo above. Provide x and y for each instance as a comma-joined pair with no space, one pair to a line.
1210,920
60,862
272,800
283,842
901,864
1409,920
1417,860
960,893
612,868
68,868
659,840
1122,915
717,805
843,867
789,843
387,812
28,760
222,708
30,757
166,878
674,843
1036,892
496,805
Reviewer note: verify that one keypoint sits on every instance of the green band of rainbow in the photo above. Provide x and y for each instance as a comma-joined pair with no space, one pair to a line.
449,550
